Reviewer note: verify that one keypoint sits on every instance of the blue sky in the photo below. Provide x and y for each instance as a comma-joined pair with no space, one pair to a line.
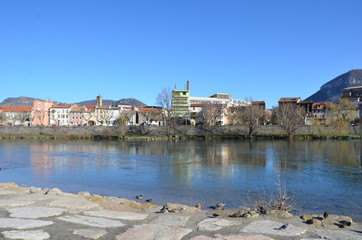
74,50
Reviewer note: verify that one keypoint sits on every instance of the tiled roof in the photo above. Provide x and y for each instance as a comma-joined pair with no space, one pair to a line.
15,109
289,100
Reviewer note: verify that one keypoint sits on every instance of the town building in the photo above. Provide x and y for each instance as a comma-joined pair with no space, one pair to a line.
40,112
15,116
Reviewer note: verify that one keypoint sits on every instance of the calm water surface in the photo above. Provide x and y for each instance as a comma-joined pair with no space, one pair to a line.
319,175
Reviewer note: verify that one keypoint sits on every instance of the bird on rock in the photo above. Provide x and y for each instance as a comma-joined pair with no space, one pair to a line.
139,197
310,221
198,206
283,226
325,215
149,200
246,215
220,206
164,209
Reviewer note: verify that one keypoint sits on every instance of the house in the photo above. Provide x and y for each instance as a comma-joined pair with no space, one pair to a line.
59,115
40,112
15,115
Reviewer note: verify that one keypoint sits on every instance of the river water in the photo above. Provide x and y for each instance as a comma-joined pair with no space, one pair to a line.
318,175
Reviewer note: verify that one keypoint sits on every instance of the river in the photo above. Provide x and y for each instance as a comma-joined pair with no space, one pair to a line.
317,175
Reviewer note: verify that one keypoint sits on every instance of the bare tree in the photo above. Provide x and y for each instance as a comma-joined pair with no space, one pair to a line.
163,100
104,115
290,117
210,113
2,117
250,116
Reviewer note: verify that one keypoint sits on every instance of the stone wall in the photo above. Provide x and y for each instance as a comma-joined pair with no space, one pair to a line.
155,130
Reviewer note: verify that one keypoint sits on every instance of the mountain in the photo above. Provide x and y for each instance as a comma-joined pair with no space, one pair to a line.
332,90
123,101
19,101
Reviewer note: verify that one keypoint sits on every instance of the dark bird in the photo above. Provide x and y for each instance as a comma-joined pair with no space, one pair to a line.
263,211
139,197
344,224
149,200
164,209
325,215
283,227
310,221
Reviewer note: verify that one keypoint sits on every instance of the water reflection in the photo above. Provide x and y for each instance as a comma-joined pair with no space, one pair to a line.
193,171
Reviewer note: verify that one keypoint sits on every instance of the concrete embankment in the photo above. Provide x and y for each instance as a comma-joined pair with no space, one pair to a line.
34,213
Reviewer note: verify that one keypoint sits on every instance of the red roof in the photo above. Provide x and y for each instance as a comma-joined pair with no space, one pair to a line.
16,109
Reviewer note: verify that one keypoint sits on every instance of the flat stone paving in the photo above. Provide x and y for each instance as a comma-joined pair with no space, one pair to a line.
30,213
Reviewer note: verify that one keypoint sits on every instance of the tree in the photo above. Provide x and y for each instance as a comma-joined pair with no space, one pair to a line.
211,112
123,120
341,115
163,100
250,116
289,117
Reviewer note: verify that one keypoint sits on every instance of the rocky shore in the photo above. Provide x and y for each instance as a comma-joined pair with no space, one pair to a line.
35,213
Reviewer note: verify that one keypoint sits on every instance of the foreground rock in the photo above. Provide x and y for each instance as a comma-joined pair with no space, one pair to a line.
34,213
152,231
273,228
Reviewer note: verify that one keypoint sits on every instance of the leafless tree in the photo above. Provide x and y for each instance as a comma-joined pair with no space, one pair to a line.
211,112
163,100
103,115
54,117
290,117
250,116
2,117
23,117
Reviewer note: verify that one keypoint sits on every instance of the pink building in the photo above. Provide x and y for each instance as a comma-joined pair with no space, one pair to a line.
40,112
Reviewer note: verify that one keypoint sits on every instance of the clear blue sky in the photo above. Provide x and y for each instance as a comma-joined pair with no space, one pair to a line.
74,50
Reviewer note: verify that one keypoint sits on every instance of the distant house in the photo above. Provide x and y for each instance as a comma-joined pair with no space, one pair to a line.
40,112
15,116
59,115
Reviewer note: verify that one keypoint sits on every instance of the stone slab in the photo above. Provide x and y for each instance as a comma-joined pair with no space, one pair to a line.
91,233
117,215
271,227
152,232
171,220
214,224
34,212
72,203
23,223
4,191
92,221
32,197
233,237
26,235
338,234
14,203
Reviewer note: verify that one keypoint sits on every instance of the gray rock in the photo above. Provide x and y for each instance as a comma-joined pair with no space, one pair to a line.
171,220
72,202
4,191
34,212
272,227
214,224
92,221
91,233
26,235
233,237
22,223
338,234
117,214
153,232
14,203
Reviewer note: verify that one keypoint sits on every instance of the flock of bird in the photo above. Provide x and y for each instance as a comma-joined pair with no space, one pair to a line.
220,206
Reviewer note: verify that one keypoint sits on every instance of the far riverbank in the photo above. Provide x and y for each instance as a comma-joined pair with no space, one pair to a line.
178,132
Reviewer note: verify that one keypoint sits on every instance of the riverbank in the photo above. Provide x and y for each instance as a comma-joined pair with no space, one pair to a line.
178,132
35,213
